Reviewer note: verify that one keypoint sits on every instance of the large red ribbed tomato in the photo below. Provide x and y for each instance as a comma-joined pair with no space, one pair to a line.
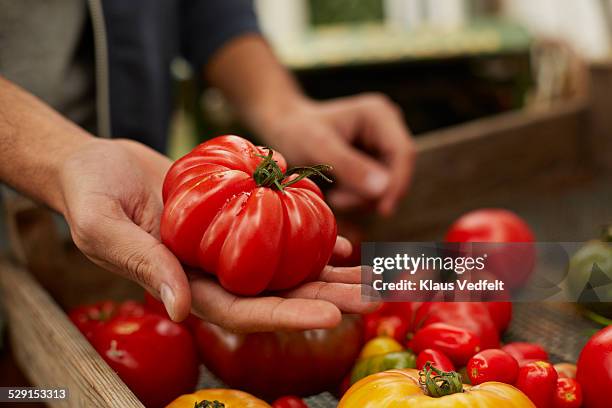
233,209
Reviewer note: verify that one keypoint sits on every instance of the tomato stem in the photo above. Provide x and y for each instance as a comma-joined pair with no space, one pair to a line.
209,404
437,383
269,174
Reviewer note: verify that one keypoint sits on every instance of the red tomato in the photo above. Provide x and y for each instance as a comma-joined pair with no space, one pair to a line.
525,353
270,365
568,394
501,313
437,359
492,365
154,356
289,402
391,320
538,380
458,344
89,318
237,215
512,264
595,369
472,316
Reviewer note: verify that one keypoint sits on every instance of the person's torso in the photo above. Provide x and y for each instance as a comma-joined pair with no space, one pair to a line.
48,49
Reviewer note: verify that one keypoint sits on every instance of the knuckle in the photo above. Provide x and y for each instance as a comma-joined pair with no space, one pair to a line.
379,100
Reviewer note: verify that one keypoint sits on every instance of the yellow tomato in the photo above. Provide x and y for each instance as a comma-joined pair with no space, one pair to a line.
229,398
401,389
378,346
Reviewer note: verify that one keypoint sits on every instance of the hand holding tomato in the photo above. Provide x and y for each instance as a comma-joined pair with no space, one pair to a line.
234,210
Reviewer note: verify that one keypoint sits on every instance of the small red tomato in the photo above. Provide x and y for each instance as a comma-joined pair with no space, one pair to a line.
568,394
289,402
456,343
89,318
538,380
595,369
526,352
154,356
492,365
437,359
566,370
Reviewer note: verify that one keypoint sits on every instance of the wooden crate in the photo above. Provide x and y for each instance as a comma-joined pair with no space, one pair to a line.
524,153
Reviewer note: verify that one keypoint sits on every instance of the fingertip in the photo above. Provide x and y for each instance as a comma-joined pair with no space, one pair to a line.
387,207
343,247
328,316
376,183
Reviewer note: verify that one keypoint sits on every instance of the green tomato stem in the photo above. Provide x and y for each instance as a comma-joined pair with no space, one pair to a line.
437,383
269,174
209,404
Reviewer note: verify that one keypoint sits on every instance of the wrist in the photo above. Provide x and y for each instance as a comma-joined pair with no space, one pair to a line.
263,118
64,157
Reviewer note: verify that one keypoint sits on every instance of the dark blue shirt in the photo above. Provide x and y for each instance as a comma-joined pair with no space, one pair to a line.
143,37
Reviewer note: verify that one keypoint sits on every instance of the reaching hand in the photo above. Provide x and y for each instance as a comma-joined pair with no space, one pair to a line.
362,137
111,193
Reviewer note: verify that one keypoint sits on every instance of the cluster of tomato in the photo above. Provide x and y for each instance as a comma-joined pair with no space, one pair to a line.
464,337
158,358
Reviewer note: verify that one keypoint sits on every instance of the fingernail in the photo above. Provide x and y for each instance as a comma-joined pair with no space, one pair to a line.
376,182
167,297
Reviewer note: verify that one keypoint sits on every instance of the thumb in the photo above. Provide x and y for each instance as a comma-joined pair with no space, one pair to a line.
355,170
123,247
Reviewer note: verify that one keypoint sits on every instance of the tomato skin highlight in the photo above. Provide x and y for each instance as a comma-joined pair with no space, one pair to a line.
458,344
253,238
492,365
568,394
437,358
595,369
289,401
538,380
525,352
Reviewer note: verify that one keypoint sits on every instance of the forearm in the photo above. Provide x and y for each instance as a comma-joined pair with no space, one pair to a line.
34,142
254,81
